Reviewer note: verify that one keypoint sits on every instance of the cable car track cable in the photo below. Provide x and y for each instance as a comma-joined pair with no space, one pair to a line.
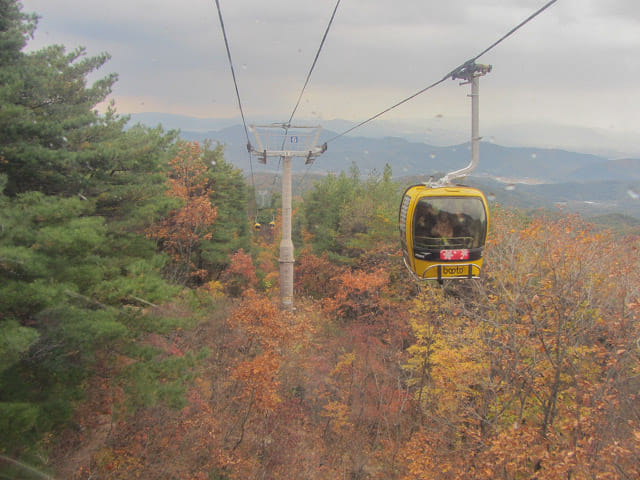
315,60
235,83
451,73
513,30
446,77
306,82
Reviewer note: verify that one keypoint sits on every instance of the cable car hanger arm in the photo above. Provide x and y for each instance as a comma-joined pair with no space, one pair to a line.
470,73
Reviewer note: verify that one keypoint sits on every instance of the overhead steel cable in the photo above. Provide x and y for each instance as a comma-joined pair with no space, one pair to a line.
446,77
233,72
313,65
452,73
315,60
235,83
513,30
306,82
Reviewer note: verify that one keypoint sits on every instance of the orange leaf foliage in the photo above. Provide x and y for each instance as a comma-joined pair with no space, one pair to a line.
240,275
182,231
358,294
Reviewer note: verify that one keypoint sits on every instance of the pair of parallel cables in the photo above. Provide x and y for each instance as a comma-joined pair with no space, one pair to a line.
295,108
449,75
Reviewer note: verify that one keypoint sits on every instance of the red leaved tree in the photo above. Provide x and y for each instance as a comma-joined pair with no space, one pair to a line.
535,377
180,234
240,275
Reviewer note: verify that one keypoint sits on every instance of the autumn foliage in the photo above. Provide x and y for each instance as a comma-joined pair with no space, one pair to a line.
534,378
182,232
123,359
240,275
529,372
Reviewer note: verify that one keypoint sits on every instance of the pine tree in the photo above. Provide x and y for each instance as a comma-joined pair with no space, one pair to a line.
229,195
76,191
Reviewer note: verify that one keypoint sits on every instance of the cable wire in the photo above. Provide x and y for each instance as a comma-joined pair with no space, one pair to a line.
315,60
235,83
305,175
306,82
514,29
452,73
446,77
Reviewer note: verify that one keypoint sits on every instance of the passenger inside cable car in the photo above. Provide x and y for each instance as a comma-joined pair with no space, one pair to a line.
449,223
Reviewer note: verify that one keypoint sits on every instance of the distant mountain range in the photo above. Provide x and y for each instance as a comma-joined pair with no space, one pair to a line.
514,164
520,176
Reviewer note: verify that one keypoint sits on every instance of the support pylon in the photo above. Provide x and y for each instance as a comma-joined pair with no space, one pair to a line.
286,244
286,142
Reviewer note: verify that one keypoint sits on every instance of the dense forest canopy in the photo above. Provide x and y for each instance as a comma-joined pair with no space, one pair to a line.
84,201
140,333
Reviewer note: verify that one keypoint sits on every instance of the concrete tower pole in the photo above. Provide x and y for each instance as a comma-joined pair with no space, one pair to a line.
286,244
288,142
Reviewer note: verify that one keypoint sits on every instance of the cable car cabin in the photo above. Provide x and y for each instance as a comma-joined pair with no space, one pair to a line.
443,231
257,226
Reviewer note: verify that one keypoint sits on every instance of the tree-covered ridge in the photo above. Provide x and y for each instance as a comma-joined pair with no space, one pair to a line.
345,216
141,336
530,371
79,191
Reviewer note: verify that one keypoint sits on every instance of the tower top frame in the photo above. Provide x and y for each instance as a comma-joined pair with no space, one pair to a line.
283,140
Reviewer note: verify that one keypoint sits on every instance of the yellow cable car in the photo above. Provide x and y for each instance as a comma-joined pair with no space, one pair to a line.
257,226
443,230
443,227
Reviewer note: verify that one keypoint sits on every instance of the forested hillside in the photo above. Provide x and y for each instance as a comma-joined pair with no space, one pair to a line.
519,177
141,334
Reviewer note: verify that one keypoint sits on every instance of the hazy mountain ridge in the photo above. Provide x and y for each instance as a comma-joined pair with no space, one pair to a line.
627,169
533,177
416,158
442,131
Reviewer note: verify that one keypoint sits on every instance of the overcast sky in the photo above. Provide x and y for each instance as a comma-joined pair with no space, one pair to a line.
575,65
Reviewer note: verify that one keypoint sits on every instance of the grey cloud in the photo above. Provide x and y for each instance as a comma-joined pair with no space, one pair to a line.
386,48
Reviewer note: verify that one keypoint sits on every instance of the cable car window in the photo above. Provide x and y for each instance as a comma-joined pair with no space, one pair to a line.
404,208
449,223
